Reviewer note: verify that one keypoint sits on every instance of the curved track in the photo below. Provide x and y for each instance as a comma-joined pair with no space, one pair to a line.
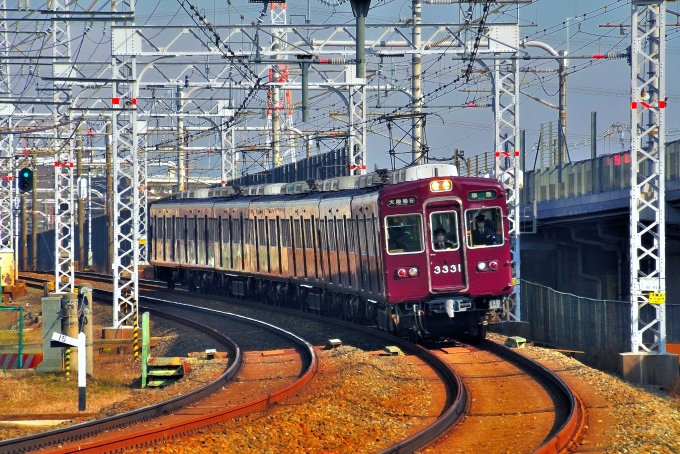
132,439
569,412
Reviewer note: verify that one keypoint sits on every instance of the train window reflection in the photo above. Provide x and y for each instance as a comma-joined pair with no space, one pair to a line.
404,234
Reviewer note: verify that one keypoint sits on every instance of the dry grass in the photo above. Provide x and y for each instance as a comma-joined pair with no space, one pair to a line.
48,392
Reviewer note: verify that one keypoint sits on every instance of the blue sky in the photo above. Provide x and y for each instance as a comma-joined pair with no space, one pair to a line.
602,86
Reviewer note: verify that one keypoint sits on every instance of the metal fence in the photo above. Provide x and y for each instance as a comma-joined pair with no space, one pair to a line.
12,331
332,164
600,328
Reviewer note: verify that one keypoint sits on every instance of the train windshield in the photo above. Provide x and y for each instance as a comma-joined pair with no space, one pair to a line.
484,227
404,234
444,227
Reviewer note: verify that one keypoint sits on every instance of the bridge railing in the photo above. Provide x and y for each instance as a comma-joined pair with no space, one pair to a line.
600,328
602,174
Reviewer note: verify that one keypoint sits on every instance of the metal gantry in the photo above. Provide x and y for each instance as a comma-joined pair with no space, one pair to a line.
647,198
506,144
62,70
126,258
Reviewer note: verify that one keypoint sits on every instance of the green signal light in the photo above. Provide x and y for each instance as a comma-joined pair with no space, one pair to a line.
26,174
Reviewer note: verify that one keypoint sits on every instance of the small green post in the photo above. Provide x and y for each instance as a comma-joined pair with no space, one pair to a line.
145,346
21,337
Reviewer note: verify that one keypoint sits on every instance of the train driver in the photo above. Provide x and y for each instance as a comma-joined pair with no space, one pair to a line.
440,241
482,235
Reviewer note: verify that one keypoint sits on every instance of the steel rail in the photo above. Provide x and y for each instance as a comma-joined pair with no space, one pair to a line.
568,434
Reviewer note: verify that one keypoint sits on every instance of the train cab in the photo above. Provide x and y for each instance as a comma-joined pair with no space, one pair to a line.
446,249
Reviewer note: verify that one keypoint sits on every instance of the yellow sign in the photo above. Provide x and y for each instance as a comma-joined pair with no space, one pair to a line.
657,298
514,281
142,241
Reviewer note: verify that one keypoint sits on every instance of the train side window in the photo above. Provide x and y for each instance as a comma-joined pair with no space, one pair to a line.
404,234
341,235
261,232
201,229
484,227
331,235
309,243
191,229
225,231
173,229
298,234
285,233
370,231
272,233
236,231
444,225
362,236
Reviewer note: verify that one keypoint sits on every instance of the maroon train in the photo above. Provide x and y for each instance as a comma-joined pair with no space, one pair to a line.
419,251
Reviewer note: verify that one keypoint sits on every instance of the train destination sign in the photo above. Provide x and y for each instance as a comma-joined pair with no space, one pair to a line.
401,201
482,195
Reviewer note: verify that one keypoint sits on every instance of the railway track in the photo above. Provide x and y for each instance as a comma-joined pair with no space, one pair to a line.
87,435
464,396
515,404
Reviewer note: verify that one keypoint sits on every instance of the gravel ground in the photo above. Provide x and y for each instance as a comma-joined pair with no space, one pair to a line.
647,417
361,403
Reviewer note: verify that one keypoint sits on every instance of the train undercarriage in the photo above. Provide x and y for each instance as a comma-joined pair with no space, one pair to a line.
461,317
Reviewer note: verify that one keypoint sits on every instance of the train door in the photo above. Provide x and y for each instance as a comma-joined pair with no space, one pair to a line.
447,262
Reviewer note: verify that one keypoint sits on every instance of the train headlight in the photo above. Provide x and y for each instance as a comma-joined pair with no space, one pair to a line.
413,272
481,266
441,185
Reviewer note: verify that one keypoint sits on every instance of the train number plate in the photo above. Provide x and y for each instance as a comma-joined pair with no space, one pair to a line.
494,304
443,269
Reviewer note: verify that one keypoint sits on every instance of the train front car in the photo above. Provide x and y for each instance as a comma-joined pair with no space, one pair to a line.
447,256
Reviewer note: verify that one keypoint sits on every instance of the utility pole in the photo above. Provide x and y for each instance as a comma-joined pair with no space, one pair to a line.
181,183
24,232
562,127
110,205
34,218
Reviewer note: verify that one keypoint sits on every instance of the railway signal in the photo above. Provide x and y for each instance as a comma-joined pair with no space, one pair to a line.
26,180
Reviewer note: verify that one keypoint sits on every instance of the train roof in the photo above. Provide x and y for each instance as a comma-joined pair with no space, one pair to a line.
379,178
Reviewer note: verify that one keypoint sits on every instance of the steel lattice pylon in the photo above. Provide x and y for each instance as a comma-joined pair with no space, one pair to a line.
126,171
647,198
63,156
227,151
6,196
357,128
142,191
506,110
6,167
